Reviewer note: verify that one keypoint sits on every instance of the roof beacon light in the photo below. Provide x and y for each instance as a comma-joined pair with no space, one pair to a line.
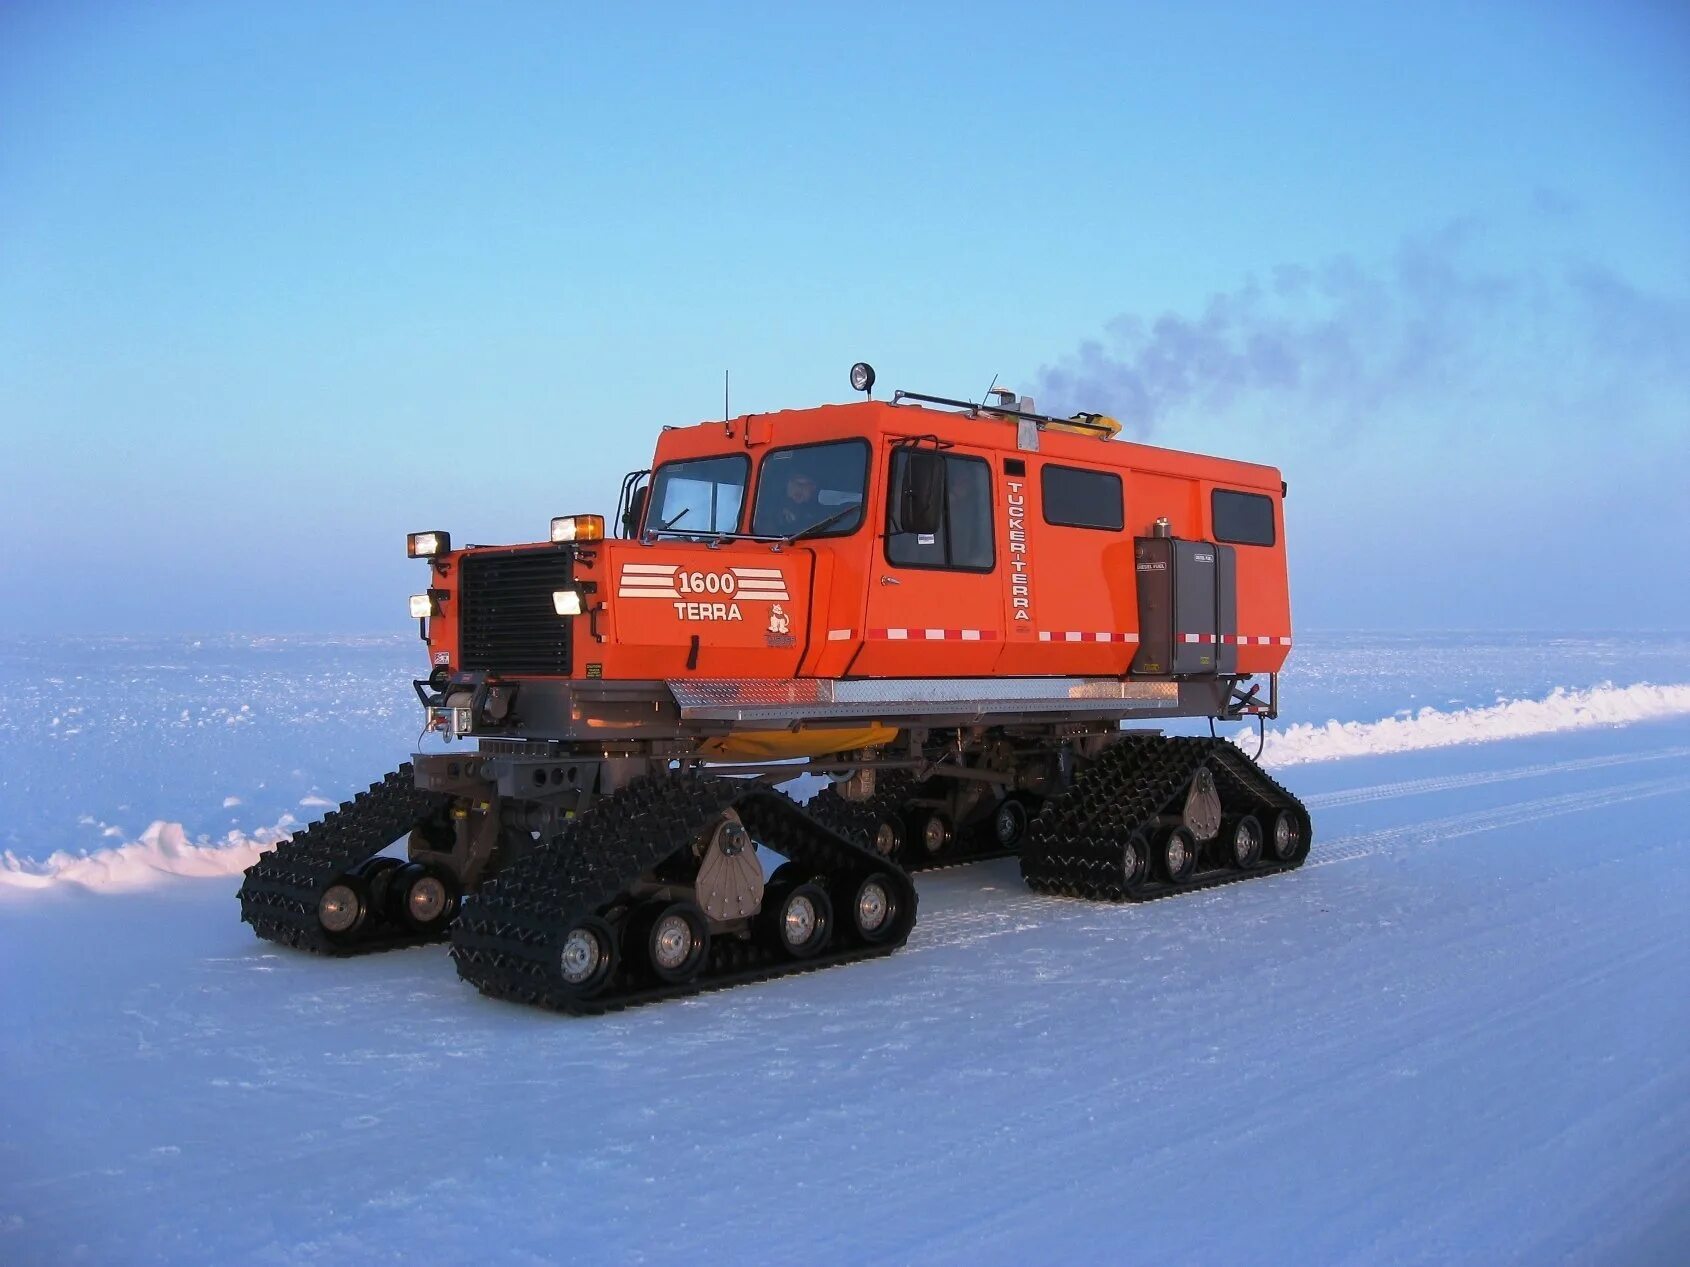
862,378
567,528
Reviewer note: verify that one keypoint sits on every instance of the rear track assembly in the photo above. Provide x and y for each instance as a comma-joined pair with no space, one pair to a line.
1110,835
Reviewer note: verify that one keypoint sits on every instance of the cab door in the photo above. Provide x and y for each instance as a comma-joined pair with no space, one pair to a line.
935,604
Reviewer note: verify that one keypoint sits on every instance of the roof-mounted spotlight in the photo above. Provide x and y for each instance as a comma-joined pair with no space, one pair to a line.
862,378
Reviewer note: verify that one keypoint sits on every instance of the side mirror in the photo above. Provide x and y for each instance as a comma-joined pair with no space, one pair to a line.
636,511
921,500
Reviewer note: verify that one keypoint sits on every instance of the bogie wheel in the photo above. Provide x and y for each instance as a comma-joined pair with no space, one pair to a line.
1136,862
344,907
874,908
890,837
936,835
425,900
1285,839
1242,842
588,957
377,874
1177,854
672,939
1009,822
798,919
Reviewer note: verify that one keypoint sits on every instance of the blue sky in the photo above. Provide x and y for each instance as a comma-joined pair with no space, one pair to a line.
278,283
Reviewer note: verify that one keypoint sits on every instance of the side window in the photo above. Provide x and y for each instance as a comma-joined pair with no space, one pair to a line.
701,496
964,538
1242,518
1081,499
815,489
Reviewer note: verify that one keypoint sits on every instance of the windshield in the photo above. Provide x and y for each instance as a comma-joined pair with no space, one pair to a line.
816,486
700,497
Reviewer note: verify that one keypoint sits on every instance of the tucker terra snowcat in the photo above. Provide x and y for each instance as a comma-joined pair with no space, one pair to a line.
949,609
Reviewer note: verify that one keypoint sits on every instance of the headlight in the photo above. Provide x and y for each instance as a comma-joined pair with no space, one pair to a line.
425,545
422,606
578,528
568,602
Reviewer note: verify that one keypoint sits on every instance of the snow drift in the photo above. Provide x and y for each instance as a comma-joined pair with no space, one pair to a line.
1560,710
165,850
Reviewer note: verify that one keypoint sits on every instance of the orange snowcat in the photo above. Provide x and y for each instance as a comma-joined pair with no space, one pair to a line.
947,609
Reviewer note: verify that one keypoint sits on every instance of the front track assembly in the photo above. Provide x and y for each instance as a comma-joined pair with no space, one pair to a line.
1151,817
325,890
586,925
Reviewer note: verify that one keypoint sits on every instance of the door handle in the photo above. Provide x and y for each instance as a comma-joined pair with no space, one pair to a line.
890,580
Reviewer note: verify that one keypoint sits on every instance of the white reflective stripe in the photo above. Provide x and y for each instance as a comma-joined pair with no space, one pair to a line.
1191,638
898,634
938,634
838,635
1285,642
971,635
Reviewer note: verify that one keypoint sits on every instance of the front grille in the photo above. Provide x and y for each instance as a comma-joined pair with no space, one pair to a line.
506,621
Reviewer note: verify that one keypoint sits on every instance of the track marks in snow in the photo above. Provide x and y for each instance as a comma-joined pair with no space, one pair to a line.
1479,778
1454,826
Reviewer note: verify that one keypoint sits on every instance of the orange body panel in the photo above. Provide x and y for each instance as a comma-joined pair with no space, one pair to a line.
1059,601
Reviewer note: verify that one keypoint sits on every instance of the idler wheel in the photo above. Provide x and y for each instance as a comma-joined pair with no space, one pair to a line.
670,938
344,907
424,899
1242,840
588,957
1285,839
874,908
1177,854
798,918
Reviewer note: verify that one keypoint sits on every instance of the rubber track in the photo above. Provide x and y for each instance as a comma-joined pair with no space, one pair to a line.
280,894
857,820
508,938
1076,847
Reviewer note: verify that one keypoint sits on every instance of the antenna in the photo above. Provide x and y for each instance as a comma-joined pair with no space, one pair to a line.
725,412
989,387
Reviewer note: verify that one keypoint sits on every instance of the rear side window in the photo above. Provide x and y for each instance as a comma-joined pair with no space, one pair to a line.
1081,499
964,539
1242,518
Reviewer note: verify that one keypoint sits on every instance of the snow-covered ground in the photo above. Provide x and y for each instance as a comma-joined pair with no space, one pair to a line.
1458,1034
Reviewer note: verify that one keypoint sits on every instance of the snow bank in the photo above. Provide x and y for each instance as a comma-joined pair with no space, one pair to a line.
1561,709
163,850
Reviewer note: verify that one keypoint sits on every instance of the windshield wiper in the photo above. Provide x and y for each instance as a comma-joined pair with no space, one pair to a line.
677,519
832,519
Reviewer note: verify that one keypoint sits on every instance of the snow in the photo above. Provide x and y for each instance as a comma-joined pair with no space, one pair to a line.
1456,1034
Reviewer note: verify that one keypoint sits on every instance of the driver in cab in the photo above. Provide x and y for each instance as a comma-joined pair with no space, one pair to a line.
798,507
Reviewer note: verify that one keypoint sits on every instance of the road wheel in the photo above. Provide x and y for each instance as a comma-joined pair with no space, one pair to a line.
799,919
1009,822
936,835
344,907
588,958
1177,854
425,900
1285,841
1242,842
1137,863
874,908
377,874
890,837
670,938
